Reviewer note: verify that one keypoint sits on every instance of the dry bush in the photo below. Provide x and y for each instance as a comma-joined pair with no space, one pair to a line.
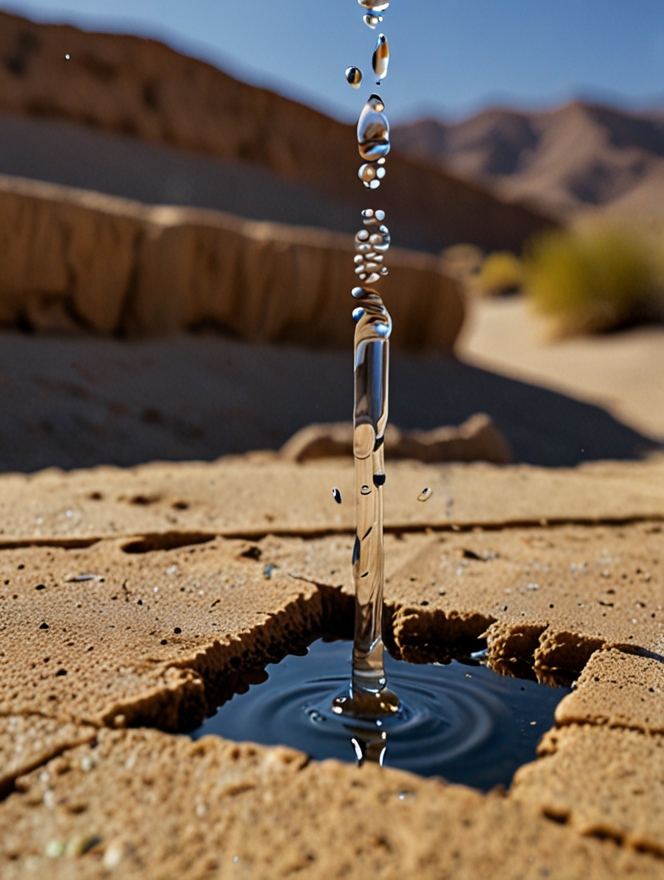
501,274
595,279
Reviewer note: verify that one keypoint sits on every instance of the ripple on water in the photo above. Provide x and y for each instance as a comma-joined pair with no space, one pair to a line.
462,722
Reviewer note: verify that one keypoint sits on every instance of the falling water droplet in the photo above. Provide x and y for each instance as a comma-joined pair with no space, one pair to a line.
336,494
381,57
67,57
425,494
368,174
362,235
357,313
372,20
379,215
360,292
365,490
354,77
374,5
379,479
373,130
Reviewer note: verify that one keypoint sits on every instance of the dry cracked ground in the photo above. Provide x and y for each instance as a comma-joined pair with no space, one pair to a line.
134,601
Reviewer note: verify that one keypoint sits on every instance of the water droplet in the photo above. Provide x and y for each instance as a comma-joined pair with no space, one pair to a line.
363,248
360,292
425,494
380,172
354,77
358,259
371,278
374,5
379,215
368,176
367,214
381,57
67,57
379,479
384,271
373,130
357,313
336,494
365,490
380,241
372,20
363,234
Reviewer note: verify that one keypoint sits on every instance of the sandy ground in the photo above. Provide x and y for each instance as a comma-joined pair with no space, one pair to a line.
79,402
621,372
114,644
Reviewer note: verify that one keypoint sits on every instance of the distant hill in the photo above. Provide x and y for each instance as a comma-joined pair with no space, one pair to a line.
146,118
579,157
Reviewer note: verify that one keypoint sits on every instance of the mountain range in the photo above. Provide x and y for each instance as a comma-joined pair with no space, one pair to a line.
577,159
134,118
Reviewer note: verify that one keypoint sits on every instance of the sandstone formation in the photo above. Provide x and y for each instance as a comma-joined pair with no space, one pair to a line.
478,439
255,495
142,88
80,260
119,630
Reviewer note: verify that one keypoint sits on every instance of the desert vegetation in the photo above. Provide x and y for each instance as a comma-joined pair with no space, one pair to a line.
595,279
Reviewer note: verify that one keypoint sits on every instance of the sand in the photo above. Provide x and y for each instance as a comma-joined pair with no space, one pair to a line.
621,372
115,640
80,402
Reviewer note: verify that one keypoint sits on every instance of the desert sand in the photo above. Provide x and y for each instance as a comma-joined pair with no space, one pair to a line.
127,617
621,372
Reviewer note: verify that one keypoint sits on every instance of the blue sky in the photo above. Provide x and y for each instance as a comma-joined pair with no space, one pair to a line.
449,57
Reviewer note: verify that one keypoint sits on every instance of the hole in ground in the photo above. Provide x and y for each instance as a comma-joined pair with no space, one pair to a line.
166,541
459,720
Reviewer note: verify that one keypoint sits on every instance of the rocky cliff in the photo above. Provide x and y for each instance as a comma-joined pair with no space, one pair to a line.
74,260
145,89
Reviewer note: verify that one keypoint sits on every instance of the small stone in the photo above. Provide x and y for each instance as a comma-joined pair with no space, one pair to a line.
116,852
80,844
55,848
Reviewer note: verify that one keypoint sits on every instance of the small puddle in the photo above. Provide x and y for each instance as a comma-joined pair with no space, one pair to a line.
460,721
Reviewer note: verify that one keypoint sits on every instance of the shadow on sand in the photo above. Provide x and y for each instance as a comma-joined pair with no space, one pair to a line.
76,403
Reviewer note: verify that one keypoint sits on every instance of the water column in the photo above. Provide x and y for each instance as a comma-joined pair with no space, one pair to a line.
369,699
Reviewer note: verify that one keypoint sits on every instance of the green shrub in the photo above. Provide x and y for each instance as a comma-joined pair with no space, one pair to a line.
595,279
501,273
